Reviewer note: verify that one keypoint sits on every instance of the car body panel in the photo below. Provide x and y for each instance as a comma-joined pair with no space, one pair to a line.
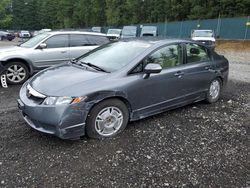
49,57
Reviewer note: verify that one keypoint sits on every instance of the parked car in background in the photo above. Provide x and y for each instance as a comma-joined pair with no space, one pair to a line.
41,31
206,37
6,35
119,82
45,50
97,29
24,34
114,34
129,32
149,31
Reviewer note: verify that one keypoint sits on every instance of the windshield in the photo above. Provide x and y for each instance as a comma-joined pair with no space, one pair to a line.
129,31
203,34
34,41
114,56
113,31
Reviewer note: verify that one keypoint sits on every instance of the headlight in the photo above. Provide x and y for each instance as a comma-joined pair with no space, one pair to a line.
62,100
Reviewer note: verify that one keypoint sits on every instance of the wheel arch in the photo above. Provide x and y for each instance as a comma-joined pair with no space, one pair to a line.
112,95
221,79
22,60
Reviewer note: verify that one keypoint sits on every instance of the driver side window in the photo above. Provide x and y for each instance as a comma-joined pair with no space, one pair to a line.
57,41
167,56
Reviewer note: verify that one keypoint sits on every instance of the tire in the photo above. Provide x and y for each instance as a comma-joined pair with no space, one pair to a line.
1,38
16,73
101,114
214,91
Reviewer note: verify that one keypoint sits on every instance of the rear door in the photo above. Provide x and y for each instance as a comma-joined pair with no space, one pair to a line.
198,70
56,52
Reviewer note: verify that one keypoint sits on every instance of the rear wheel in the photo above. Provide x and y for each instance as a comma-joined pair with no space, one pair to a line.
107,119
214,91
16,73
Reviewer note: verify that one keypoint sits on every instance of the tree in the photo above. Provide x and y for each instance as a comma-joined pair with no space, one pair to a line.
5,14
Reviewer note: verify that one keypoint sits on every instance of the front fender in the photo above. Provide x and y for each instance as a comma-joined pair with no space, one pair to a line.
24,59
99,96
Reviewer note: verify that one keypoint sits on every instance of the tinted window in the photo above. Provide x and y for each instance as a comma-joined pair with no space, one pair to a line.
87,40
78,40
58,41
196,53
168,56
97,40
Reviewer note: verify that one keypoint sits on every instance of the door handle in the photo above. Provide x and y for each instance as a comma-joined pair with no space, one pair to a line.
179,74
210,69
63,52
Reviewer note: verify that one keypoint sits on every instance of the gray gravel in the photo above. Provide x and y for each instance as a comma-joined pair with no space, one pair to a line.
198,145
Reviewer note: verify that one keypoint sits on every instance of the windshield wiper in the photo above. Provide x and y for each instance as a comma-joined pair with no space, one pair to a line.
94,66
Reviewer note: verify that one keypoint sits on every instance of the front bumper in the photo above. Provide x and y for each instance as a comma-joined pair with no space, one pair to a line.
63,121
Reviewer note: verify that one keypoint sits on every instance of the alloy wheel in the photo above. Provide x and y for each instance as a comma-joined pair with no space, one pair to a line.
108,121
16,73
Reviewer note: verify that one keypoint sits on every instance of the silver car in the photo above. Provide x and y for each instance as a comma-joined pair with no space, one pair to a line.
45,50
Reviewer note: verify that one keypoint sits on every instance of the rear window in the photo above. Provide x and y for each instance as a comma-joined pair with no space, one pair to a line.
87,40
97,40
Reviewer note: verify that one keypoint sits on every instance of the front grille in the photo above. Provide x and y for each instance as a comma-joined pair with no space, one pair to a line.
34,99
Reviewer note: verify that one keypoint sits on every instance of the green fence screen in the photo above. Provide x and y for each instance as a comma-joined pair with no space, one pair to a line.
224,28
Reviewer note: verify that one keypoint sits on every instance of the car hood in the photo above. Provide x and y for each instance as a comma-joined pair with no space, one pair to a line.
67,80
204,38
10,49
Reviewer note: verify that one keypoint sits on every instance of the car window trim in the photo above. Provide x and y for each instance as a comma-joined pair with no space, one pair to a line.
163,46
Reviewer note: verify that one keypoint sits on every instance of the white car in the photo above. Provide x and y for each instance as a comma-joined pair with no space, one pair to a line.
24,34
204,36
114,34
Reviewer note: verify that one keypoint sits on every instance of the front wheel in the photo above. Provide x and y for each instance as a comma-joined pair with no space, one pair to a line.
16,73
214,91
107,119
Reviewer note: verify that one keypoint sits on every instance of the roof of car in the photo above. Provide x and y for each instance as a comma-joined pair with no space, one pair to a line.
153,40
77,32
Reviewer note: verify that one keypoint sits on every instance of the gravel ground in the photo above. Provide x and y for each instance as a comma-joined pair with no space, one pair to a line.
198,145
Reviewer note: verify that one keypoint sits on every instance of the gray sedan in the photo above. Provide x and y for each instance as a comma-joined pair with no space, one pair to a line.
100,92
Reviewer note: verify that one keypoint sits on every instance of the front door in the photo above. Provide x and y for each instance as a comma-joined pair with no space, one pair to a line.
56,52
160,90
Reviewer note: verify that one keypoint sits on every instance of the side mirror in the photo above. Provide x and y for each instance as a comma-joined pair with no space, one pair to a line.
152,68
42,46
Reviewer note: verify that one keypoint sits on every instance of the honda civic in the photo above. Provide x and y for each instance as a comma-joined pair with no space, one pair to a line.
98,93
